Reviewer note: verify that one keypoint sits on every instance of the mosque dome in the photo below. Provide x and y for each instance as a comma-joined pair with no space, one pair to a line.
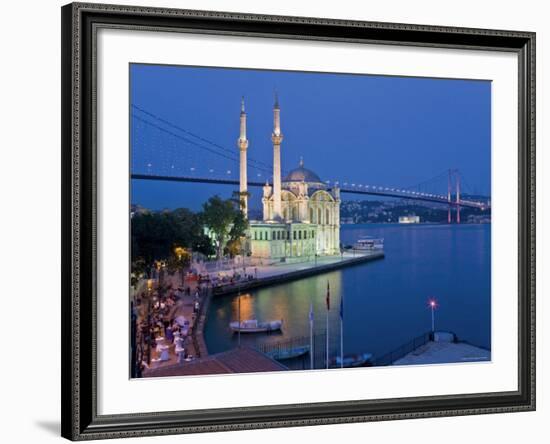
302,174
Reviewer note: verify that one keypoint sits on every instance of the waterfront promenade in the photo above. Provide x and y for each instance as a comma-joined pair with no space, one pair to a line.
272,273
190,300
177,304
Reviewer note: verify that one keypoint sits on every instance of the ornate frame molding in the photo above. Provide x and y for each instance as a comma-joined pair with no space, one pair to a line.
80,22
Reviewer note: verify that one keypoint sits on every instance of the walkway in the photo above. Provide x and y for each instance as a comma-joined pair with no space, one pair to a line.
444,353
274,273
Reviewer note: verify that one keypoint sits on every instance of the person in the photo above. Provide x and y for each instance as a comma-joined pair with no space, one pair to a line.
169,335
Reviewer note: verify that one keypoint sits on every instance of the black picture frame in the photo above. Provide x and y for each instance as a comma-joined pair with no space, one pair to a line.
79,170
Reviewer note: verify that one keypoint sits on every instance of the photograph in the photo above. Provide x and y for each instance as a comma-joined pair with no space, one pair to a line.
306,221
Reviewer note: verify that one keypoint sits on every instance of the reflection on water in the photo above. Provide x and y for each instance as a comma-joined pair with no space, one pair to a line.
385,302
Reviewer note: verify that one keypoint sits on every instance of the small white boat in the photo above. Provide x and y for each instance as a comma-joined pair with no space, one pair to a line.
360,360
369,243
289,353
253,326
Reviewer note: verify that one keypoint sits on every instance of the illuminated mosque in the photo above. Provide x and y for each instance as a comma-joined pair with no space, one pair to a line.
301,216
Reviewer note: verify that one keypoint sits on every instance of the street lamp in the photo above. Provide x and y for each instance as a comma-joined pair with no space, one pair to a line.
149,330
179,252
433,305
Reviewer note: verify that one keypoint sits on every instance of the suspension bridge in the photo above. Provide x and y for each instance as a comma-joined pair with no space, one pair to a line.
165,151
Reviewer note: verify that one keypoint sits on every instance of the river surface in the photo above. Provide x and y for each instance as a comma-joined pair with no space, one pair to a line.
385,301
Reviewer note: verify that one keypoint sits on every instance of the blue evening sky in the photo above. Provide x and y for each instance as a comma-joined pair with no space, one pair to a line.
377,130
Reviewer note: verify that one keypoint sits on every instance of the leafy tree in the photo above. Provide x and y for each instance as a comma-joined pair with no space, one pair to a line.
155,235
225,220
218,215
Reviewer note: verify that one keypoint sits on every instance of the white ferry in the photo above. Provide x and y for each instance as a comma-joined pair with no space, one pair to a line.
369,243
253,326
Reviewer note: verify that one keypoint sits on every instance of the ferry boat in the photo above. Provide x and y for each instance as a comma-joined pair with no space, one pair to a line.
360,360
253,326
369,243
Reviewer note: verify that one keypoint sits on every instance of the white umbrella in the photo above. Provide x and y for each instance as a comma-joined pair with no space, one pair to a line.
181,320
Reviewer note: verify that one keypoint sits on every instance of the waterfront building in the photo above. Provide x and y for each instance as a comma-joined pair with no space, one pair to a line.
301,215
409,219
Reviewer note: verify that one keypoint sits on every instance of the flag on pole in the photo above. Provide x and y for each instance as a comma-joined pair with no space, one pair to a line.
342,331
328,309
311,352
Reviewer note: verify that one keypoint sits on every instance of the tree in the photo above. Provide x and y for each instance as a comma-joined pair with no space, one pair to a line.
225,220
237,234
218,215
155,235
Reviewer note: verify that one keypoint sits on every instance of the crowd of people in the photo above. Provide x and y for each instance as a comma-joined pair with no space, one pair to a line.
164,327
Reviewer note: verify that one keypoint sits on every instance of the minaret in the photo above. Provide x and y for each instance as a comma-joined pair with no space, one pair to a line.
243,146
277,138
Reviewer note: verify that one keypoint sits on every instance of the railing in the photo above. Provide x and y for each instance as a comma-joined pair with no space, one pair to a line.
302,362
282,346
398,353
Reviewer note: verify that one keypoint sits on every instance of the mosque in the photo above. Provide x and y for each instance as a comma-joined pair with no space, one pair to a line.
301,216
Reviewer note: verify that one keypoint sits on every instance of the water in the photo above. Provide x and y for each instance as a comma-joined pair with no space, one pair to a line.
386,301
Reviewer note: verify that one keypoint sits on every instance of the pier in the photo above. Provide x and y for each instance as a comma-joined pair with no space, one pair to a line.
274,274
434,348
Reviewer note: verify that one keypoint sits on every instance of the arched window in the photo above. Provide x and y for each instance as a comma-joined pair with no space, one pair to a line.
294,214
327,219
319,216
311,215
255,235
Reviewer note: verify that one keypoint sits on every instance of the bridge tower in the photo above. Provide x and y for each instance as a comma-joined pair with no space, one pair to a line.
277,138
457,196
449,219
243,146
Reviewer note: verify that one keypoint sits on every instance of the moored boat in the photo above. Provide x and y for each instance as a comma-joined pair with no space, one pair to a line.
288,353
253,326
369,243
359,360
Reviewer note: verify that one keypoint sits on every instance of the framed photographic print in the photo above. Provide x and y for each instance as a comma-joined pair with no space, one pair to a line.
277,221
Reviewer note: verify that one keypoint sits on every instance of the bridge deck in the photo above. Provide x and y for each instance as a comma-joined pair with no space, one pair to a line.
349,190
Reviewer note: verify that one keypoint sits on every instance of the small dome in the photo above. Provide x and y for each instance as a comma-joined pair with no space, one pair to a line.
302,174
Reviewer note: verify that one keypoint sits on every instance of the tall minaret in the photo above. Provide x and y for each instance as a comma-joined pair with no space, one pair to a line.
243,146
277,138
